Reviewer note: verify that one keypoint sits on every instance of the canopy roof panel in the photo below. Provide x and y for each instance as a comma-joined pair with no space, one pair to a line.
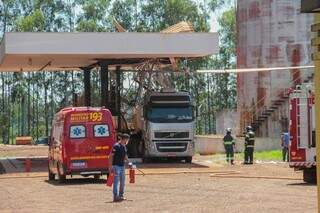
60,51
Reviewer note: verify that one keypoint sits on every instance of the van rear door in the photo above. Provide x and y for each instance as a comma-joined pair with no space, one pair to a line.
91,137
77,146
102,141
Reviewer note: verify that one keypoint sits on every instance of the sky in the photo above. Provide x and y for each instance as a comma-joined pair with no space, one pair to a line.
214,26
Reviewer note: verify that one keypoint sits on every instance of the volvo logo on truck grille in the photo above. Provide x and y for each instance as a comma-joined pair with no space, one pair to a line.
171,134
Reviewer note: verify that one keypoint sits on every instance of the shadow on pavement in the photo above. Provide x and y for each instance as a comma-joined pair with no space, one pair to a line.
2,170
119,201
170,165
76,181
301,184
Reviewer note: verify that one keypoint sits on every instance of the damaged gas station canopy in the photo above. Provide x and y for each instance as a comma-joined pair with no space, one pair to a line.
63,51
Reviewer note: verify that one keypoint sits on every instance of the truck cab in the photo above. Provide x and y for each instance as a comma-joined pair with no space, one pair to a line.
169,125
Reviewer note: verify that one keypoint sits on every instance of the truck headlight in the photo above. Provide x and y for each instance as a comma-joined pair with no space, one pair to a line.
153,146
191,144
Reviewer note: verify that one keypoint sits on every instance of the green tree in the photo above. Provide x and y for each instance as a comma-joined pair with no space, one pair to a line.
35,22
226,59
159,14
126,13
29,100
94,16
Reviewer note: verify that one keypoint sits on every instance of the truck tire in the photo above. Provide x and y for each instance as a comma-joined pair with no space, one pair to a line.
146,160
134,150
188,159
96,176
61,177
51,176
310,175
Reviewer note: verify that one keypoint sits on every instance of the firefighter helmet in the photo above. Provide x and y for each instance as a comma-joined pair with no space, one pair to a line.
249,128
228,130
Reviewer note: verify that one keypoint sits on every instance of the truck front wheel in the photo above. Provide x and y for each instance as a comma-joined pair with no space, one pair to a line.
188,159
310,175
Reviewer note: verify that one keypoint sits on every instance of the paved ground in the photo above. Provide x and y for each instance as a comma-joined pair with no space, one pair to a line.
22,150
203,187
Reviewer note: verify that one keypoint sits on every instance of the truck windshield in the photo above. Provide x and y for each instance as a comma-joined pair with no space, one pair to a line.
170,114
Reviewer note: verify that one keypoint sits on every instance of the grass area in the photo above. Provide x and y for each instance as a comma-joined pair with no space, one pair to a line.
273,155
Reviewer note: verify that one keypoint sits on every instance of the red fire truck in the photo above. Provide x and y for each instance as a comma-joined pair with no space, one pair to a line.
81,140
302,132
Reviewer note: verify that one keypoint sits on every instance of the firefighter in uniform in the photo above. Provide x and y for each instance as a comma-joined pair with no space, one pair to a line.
249,146
229,145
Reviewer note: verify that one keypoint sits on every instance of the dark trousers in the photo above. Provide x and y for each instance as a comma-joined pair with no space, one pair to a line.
229,153
285,154
248,155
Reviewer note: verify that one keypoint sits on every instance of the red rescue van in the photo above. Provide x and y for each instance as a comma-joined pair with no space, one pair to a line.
80,143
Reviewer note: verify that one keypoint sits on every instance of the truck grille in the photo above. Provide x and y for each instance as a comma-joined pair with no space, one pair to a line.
171,134
171,147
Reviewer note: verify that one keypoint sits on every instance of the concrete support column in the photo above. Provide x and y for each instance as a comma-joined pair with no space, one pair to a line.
118,95
104,81
87,86
317,102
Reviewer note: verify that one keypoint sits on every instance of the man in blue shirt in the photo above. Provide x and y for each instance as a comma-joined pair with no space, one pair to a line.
285,142
117,160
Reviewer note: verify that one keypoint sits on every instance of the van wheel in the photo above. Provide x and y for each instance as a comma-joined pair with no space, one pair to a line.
61,177
96,177
310,175
188,159
51,176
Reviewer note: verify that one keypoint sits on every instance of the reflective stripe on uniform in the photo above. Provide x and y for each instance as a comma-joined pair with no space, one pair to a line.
251,139
250,146
228,142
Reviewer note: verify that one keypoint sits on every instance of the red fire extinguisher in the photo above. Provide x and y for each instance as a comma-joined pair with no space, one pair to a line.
132,172
110,179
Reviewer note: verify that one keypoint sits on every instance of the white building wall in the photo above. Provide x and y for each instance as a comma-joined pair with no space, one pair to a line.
227,119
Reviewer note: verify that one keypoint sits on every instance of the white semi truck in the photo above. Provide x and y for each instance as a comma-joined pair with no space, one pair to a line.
164,127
